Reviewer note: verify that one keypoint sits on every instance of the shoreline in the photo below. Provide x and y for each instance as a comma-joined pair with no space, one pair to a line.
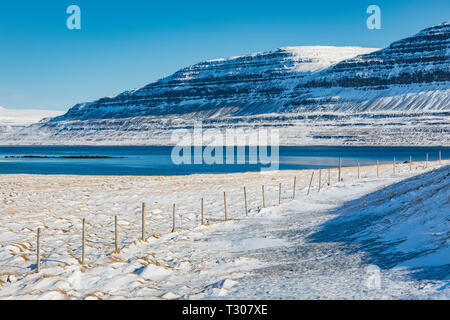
269,172
62,157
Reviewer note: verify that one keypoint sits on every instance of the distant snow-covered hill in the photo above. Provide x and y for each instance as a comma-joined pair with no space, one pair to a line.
315,95
11,118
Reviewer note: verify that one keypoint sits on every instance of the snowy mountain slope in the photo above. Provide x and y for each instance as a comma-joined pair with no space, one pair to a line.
314,95
331,78
241,85
300,128
410,74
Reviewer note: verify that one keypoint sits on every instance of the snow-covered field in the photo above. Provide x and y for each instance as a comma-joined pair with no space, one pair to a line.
370,238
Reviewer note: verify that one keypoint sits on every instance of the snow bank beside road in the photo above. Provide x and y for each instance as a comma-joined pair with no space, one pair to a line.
404,224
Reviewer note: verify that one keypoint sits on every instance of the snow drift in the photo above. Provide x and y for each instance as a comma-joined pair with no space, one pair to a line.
405,224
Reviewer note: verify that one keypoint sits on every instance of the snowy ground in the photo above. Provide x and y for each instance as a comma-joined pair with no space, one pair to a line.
367,238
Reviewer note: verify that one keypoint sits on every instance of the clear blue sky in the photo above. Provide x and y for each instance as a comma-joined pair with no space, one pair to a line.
127,44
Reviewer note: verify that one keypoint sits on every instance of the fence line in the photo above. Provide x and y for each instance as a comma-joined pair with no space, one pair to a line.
174,227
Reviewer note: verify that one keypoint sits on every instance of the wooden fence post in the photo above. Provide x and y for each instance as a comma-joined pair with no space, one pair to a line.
393,166
378,169
143,221
329,176
440,157
320,178
310,182
358,171
279,195
293,191
116,238
173,219
426,163
83,241
263,197
245,202
225,205
38,250
410,163
340,166
203,214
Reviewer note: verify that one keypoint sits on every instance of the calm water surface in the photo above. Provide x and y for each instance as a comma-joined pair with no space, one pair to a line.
156,160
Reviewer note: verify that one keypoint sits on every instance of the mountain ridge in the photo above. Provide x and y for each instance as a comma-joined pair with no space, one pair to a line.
282,64
396,95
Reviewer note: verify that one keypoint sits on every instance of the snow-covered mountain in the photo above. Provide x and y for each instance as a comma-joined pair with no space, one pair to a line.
251,84
410,74
315,95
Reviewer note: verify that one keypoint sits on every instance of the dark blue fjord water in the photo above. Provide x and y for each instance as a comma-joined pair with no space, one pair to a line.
156,160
